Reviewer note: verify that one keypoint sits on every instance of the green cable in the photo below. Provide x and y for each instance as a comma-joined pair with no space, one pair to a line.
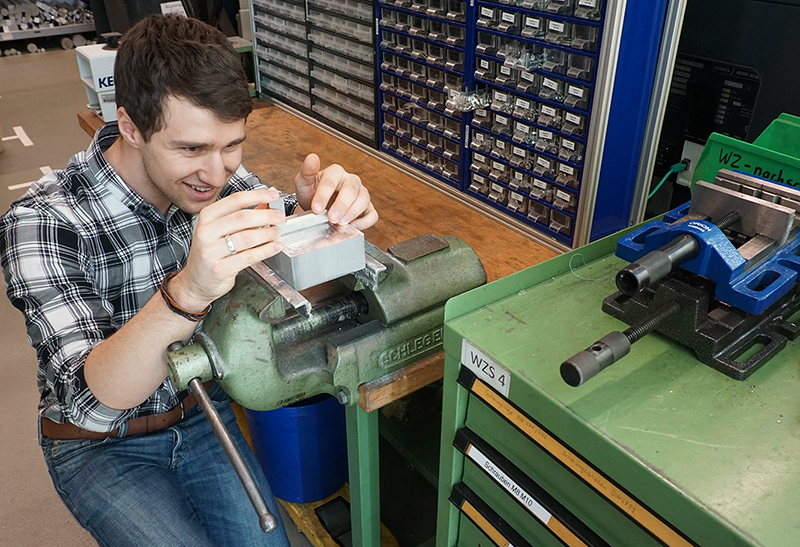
676,168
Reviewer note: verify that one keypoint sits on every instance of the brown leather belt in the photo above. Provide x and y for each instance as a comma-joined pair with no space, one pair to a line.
145,424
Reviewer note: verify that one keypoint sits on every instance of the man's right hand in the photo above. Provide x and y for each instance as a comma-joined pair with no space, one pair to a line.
211,267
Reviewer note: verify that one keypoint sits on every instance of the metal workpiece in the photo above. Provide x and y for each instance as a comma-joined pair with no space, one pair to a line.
316,251
270,356
266,520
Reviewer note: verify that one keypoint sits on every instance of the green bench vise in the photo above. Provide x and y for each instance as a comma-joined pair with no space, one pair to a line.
265,356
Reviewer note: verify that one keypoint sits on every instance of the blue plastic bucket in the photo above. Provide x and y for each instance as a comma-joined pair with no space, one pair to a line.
302,448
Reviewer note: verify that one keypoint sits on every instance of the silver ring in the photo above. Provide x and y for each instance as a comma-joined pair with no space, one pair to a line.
231,248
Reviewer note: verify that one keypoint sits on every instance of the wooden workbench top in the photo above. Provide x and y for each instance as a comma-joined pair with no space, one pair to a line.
277,142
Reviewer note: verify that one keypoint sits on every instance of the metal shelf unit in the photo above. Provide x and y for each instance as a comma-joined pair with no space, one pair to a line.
318,56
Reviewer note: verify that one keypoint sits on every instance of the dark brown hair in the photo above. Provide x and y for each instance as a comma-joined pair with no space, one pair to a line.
165,55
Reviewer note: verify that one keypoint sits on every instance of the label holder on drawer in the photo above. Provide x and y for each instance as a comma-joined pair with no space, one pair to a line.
555,517
489,522
564,455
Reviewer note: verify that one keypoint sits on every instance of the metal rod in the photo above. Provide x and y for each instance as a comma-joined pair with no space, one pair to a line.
337,311
266,519
611,348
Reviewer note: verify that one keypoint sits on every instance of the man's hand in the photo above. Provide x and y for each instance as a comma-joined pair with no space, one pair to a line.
246,219
333,188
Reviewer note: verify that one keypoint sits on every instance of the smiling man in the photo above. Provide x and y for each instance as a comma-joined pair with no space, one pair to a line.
120,254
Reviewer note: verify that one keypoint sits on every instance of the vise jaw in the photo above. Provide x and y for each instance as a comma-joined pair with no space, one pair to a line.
266,357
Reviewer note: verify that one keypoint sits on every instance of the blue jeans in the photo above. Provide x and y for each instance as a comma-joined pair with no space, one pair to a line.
172,487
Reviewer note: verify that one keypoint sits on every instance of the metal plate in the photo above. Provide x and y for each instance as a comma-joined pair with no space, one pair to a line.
418,247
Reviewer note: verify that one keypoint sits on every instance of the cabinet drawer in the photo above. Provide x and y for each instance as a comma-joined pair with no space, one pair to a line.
479,525
575,494
529,509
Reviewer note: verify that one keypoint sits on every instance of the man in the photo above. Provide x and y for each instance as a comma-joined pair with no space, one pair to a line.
121,254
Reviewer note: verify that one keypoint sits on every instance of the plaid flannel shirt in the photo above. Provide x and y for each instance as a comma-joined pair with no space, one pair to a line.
82,253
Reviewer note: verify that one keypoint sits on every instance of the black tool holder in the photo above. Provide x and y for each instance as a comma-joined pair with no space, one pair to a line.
719,334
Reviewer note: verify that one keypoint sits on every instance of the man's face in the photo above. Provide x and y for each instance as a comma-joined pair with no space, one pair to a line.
193,156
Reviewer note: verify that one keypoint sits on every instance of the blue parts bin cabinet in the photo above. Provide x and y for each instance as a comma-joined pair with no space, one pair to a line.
302,448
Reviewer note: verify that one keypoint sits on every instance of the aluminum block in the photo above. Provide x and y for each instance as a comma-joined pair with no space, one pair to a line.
316,251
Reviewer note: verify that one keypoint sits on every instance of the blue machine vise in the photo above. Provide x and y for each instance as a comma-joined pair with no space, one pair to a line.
739,282
718,274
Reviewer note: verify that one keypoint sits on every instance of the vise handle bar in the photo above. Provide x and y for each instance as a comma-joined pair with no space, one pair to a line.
266,520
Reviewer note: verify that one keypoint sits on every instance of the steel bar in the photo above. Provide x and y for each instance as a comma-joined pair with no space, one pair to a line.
266,519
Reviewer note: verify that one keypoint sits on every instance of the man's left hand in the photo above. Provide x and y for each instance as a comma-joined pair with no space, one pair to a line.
334,189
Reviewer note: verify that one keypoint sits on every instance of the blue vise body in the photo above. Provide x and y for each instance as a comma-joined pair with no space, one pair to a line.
749,287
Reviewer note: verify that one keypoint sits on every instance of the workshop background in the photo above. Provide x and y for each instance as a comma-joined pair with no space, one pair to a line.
551,154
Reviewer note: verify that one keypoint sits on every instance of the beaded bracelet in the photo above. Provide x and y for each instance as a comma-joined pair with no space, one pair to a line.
172,305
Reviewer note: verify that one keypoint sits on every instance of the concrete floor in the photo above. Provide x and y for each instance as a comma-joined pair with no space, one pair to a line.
40,93
40,96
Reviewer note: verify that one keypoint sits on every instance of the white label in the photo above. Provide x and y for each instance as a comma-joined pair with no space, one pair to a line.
533,22
484,64
555,26
543,162
502,120
546,135
523,128
552,84
509,485
485,368
508,17
526,76
588,3
497,188
481,113
521,152
518,175
478,178
487,12
516,197
500,97
569,145
500,144
497,166
522,103
479,157
549,111
576,91
540,184
566,169
573,118
505,70
560,194
173,7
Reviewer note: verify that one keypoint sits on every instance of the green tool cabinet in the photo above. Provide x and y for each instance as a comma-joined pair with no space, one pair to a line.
658,449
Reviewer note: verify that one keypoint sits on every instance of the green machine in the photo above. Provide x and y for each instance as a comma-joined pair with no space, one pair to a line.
658,450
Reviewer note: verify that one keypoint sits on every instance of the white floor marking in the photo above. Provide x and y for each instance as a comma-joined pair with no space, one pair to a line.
21,135
45,169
